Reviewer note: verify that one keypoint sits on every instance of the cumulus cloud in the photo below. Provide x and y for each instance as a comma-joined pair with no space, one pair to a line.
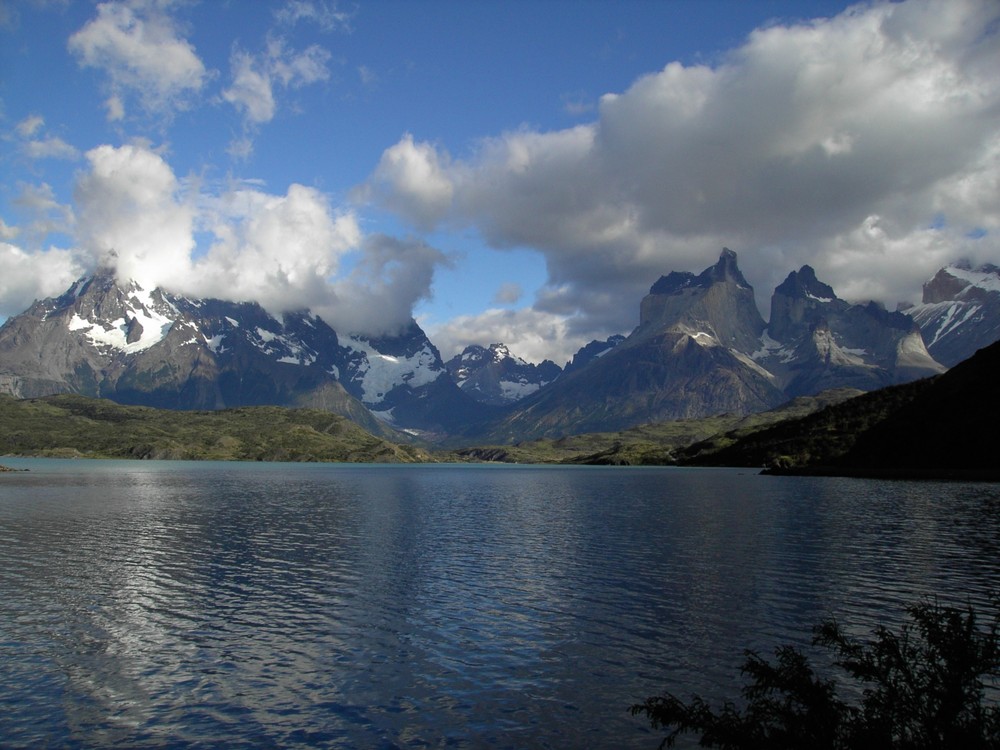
139,47
379,294
839,143
414,180
285,251
130,204
29,276
279,250
531,334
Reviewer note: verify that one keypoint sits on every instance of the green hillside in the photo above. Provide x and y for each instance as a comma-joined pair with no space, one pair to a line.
75,426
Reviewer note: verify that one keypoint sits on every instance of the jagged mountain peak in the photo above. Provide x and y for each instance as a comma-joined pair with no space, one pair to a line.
726,269
120,341
718,302
494,375
803,283
815,340
497,352
962,281
592,351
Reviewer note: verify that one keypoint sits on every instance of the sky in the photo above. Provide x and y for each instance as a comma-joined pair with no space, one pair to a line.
518,172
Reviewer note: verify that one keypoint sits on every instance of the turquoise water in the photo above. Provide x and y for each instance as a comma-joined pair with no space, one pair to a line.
175,604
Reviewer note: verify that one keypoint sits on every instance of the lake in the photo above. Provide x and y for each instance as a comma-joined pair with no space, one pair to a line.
177,604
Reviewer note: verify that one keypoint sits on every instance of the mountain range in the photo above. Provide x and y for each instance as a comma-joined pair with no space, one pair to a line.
701,348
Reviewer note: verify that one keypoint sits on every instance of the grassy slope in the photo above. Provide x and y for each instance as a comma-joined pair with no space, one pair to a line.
70,426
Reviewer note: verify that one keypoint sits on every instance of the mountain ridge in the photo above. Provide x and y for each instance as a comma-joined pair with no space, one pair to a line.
701,348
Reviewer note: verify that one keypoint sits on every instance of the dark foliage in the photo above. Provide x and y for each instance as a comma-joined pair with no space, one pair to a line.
922,688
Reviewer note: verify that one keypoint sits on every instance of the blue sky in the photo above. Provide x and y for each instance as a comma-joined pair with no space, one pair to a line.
504,171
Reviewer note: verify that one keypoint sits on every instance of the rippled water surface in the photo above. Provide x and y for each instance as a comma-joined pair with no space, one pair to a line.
182,604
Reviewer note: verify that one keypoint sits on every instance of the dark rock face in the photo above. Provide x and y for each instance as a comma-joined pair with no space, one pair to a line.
947,428
592,351
960,312
495,376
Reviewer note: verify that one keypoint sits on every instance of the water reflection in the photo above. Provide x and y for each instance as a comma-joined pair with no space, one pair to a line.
178,604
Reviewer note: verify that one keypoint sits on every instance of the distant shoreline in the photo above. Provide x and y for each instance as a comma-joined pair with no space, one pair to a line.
898,473
895,474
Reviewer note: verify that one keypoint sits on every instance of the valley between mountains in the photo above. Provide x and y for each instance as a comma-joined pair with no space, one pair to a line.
111,369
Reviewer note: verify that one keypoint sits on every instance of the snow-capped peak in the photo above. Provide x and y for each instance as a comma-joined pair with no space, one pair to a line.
985,277
379,373
141,322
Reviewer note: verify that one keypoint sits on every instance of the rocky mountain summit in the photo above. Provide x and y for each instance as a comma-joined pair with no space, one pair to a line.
702,348
495,376
815,341
687,358
960,311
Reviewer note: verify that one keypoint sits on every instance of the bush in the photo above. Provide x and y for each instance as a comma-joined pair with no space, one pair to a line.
922,688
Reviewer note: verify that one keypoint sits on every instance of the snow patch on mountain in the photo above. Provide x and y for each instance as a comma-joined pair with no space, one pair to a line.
379,373
152,328
215,343
938,319
516,390
985,278
769,348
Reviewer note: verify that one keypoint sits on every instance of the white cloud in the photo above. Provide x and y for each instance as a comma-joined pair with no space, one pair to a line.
508,293
391,276
28,276
783,151
328,16
8,232
255,78
279,250
30,125
413,180
44,215
35,146
531,334
283,251
251,91
115,107
137,44
130,203
50,148
368,76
